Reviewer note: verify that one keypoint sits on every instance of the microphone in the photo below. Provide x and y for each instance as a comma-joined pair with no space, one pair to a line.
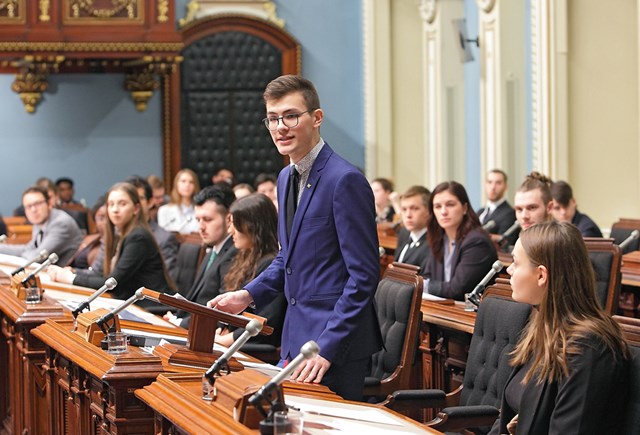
41,256
251,330
512,229
3,238
109,284
633,236
53,259
111,314
308,350
489,225
474,297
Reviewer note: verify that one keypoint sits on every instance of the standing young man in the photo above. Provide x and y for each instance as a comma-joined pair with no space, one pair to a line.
328,264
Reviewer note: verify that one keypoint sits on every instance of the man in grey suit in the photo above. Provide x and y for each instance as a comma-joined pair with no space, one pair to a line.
212,213
53,229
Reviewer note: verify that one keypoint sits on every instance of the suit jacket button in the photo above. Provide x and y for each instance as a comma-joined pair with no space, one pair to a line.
293,301
289,271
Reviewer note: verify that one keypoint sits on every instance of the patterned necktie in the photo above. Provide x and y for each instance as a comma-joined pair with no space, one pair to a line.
292,198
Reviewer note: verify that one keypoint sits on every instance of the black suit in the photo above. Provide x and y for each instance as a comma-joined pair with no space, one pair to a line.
504,216
208,283
418,255
472,259
587,227
591,400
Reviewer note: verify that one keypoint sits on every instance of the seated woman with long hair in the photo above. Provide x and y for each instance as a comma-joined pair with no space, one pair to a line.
253,226
131,253
571,363
461,251
179,215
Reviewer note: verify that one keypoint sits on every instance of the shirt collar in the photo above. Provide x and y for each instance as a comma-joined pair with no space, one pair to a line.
493,205
307,161
217,248
417,235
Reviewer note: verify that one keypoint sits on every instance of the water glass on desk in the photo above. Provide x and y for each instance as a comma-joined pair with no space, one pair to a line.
288,422
33,295
116,343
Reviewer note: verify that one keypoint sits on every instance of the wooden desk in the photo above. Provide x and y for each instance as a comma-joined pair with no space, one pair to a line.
23,400
179,408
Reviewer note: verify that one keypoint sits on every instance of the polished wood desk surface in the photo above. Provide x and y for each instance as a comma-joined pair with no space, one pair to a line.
448,314
631,269
177,399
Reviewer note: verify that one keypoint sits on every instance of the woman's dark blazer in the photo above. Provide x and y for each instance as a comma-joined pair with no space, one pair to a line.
139,264
472,259
273,312
590,401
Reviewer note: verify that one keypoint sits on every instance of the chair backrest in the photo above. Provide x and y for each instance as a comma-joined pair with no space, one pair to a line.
622,229
499,322
631,330
606,259
398,301
187,263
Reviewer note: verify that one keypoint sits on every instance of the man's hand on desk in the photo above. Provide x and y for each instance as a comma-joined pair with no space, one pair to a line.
232,302
312,370
61,274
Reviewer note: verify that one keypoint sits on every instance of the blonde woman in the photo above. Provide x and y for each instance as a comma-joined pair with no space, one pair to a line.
179,215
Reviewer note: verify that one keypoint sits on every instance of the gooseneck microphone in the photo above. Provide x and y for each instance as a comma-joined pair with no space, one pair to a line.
474,297
512,229
252,329
489,225
40,257
138,295
53,259
633,236
308,350
109,284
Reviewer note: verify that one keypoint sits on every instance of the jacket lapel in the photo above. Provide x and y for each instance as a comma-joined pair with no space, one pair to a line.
307,193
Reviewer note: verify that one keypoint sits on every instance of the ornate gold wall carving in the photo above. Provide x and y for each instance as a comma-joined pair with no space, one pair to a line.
12,11
103,11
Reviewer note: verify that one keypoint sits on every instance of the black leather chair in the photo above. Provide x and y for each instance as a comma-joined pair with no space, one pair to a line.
187,264
606,259
476,403
398,301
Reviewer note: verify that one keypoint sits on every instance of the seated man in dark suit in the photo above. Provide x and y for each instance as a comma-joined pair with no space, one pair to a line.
53,229
167,241
565,209
65,191
497,208
212,213
412,239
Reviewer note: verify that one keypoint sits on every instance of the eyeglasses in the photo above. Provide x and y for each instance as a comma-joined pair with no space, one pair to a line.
34,204
290,120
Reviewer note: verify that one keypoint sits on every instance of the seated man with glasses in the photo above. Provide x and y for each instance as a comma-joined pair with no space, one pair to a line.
53,229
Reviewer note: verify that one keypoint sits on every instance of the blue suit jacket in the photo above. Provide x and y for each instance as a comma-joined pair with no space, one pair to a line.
329,270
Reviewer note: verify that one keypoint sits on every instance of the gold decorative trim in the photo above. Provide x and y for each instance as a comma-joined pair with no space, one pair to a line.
83,12
166,126
31,81
163,11
272,15
91,46
192,10
12,11
44,6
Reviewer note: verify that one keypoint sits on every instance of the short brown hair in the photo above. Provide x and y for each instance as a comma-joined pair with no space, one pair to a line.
287,84
385,183
420,191
37,189
499,171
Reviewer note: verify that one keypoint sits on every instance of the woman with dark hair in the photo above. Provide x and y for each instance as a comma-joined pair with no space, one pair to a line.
179,215
461,251
253,226
571,362
131,253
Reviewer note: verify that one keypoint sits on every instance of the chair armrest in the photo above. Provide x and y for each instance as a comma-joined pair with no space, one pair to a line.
456,418
371,381
403,400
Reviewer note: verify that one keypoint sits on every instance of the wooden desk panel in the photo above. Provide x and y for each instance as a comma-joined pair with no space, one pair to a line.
180,410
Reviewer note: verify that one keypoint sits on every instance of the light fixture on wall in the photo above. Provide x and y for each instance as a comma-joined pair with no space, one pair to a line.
463,41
